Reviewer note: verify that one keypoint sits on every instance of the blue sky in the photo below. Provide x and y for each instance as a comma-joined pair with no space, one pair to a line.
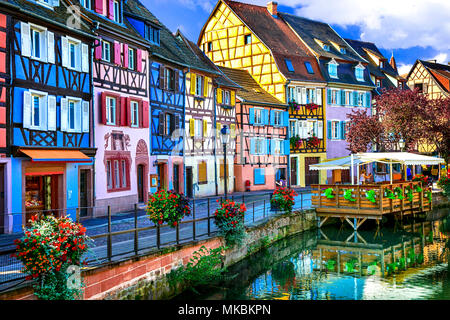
411,29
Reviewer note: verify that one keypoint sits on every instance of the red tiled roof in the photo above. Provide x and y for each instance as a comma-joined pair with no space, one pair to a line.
280,39
443,77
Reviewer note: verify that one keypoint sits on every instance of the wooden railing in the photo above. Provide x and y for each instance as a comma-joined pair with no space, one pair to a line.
360,200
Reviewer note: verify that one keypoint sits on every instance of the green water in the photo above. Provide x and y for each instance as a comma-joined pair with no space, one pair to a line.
401,263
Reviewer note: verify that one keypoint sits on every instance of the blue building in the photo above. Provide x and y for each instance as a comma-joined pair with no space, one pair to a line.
49,127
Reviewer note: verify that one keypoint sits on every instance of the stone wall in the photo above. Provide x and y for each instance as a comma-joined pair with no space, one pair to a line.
144,277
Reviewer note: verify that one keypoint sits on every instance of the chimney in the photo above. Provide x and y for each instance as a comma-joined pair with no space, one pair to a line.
272,8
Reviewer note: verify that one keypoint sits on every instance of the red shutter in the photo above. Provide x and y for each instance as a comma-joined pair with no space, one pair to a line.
128,112
99,6
98,51
125,55
139,60
103,108
111,9
145,114
123,111
117,52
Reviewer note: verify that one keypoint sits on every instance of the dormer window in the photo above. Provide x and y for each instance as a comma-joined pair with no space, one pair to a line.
86,4
359,72
116,16
152,34
378,83
326,47
48,3
343,50
332,69
381,64
289,65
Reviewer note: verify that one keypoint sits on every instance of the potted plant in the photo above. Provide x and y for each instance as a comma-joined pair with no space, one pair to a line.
348,195
167,206
420,177
50,250
444,184
283,199
229,219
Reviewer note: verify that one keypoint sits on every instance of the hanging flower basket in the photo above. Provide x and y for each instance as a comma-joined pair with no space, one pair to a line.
229,219
167,207
420,177
312,106
295,141
294,106
313,141
283,199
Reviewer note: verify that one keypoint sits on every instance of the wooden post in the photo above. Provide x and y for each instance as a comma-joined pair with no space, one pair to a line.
359,198
209,219
109,239
381,195
136,237
319,192
337,195
193,219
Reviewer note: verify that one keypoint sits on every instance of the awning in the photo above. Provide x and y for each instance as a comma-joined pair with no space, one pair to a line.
46,155
336,164
405,158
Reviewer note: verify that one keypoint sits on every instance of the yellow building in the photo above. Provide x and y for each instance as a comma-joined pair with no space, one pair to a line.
254,38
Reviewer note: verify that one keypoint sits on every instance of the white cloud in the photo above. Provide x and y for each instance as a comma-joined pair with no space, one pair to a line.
404,68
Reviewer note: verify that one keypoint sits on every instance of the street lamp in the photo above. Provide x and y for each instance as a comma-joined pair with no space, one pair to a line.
225,137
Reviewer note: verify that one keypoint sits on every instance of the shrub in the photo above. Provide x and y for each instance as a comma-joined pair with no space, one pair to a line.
283,198
167,206
229,218
48,248
444,184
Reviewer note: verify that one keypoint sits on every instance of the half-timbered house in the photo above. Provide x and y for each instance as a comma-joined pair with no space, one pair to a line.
262,146
200,149
348,82
237,36
48,110
121,101
4,91
166,83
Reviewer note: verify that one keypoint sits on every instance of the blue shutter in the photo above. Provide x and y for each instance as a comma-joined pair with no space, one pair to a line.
287,147
368,99
272,117
355,98
266,116
342,97
329,129
268,144
259,176
251,117
342,130
286,119
328,96
252,146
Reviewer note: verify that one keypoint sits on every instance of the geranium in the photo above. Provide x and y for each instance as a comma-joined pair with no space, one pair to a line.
229,218
420,177
283,198
167,206
313,141
49,246
312,106
444,183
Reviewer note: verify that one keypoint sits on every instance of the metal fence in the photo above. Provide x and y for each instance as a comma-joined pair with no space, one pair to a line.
129,234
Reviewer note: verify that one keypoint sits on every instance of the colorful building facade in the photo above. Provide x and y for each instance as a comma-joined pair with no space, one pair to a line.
49,112
121,101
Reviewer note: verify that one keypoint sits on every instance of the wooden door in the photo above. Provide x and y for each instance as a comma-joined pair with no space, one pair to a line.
84,192
189,182
311,176
161,176
176,177
140,181
294,172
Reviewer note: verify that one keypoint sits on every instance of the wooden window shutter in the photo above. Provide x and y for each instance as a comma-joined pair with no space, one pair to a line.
205,86
218,127
162,84
303,96
122,115
320,129
50,47
233,130
110,9
64,114
85,111
146,114
78,117
191,127
64,51
85,61
202,172
251,116
219,96
99,6
222,169
233,98
117,53
177,121
425,88
26,109
319,96
177,81
125,55
98,51
172,124
139,60
128,111
205,127
103,108
161,123
25,37
193,83
51,113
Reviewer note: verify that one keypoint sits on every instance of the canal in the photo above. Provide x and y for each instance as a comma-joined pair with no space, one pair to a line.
403,262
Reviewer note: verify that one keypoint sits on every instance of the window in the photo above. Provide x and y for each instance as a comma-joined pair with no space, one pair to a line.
378,83
309,67
291,94
381,64
109,174
168,124
116,174
248,39
202,172
348,98
116,16
134,106
332,70
293,128
278,120
74,54
124,174
343,51
86,4
334,96
278,146
226,100
110,111
326,47
155,36
419,87
106,51
198,128
334,129
359,73
361,99
169,76
152,34
259,145
289,65
131,59
258,116
199,83
38,43
35,110
71,113
210,46
310,95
